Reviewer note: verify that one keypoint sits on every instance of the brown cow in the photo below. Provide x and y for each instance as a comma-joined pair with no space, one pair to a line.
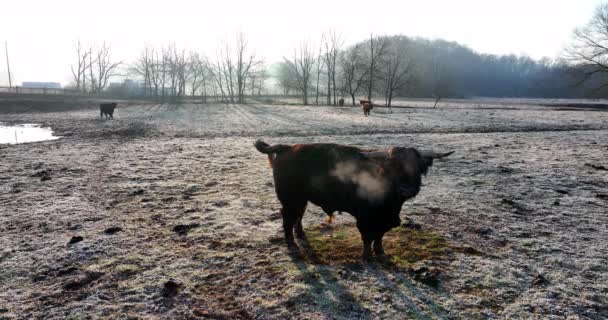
370,185
367,106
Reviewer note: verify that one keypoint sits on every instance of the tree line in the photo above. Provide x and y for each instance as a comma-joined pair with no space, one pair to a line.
385,67
168,72
379,68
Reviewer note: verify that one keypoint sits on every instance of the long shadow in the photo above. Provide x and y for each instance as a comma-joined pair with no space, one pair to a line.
323,282
404,282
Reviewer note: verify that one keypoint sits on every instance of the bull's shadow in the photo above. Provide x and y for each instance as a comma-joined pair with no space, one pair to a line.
325,286
323,273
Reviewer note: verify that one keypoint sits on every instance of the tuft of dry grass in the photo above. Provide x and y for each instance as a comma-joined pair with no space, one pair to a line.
341,244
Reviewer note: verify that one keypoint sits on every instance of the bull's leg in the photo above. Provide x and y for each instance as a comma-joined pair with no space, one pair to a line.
101,114
111,115
378,248
290,216
367,246
299,229
367,238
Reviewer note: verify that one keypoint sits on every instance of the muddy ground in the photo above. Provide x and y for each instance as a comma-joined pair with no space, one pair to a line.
168,212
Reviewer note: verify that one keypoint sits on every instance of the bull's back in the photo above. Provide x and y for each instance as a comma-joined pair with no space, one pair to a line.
305,174
107,107
301,163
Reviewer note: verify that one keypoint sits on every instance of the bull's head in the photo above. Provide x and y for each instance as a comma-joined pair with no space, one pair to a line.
410,160
409,165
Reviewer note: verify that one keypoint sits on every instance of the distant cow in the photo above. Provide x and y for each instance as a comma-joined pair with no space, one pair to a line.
370,185
107,109
341,102
367,106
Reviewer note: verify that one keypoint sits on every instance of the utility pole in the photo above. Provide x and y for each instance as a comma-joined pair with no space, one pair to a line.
8,66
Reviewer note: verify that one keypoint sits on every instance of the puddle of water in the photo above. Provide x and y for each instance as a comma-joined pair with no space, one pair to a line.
24,133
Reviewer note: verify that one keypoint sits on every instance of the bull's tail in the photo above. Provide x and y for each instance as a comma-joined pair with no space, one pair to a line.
264,147
271,151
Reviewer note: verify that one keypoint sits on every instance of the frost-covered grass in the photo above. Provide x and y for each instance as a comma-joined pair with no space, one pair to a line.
513,225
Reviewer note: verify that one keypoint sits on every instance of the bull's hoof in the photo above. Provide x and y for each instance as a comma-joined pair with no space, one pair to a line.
301,236
367,257
383,258
294,251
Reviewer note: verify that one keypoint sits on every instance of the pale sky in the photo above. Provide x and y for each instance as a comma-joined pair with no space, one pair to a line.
41,33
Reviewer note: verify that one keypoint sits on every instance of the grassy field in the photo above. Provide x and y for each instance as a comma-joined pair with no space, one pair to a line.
168,212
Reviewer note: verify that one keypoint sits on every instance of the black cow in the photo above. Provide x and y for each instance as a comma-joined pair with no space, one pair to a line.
107,109
370,185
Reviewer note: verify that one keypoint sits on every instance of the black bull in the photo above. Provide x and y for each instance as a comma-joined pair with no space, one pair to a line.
107,109
370,185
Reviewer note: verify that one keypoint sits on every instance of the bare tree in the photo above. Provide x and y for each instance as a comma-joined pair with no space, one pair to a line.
176,65
163,69
216,71
354,71
257,79
332,42
589,51
156,73
302,64
79,70
92,78
377,49
439,79
94,65
318,79
105,68
234,69
262,76
143,68
395,68
287,78
8,66
227,70
178,71
197,73
246,63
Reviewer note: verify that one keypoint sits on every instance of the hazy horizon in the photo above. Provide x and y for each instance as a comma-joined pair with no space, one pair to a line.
41,35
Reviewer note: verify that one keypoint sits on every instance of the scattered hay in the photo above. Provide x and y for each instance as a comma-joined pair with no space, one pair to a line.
342,245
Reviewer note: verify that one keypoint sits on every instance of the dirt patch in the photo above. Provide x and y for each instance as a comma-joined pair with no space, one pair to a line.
405,246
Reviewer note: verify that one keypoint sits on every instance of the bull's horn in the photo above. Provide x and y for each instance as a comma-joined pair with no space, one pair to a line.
435,155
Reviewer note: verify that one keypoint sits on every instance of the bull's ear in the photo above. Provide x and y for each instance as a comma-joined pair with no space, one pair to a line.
425,163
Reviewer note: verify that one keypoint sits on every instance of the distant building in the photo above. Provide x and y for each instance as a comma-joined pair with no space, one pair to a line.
41,85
